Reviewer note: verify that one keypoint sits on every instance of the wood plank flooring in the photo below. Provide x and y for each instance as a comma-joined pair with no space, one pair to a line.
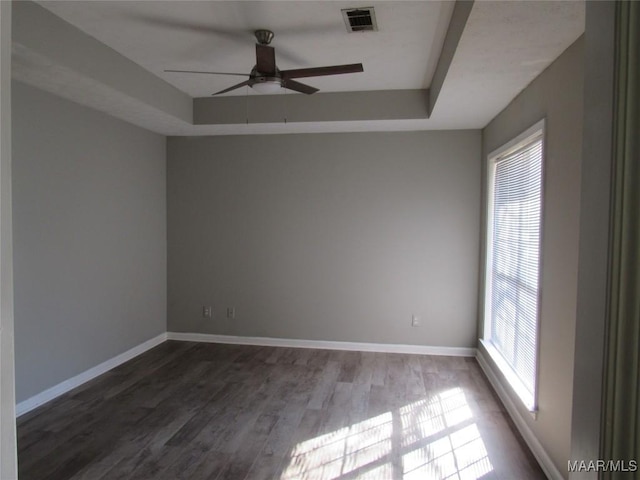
230,412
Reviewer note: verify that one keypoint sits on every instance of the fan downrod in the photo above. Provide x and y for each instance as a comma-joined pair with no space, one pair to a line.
263,37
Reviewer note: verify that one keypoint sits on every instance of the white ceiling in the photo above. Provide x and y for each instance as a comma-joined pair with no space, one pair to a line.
503,47
217,36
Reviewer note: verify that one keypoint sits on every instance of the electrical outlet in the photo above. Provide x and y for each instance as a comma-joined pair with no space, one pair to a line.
207,312
416,321
231,312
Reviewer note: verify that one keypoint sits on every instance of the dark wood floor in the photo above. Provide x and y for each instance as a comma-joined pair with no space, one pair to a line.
209,411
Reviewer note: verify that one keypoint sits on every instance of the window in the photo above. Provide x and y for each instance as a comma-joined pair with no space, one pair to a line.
513,260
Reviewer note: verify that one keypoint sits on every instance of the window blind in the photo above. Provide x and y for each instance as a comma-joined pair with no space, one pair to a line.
515,258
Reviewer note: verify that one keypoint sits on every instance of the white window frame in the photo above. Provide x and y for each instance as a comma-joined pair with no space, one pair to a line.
529,399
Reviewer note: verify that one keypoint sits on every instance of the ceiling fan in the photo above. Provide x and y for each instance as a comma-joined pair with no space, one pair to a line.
265,77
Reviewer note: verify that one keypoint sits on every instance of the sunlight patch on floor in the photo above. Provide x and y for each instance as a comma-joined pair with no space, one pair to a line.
331,455
434,438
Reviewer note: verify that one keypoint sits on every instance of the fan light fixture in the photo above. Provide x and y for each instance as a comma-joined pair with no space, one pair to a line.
268,85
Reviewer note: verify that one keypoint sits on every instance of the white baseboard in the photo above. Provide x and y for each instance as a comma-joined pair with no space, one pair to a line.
323,344
543,458
73,382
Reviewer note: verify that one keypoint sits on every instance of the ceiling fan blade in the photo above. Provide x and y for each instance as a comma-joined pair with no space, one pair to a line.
210,73
298,87
265,59
239,85
322,71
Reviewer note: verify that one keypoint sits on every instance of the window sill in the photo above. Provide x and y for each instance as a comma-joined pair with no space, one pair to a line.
513,383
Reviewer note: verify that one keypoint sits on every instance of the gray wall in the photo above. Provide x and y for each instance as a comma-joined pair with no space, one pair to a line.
555,95
89,198
595,198
326,237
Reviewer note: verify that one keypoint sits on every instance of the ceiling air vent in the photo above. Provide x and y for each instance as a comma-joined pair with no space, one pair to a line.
360,19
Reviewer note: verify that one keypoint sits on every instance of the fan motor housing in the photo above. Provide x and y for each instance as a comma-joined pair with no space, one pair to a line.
261,77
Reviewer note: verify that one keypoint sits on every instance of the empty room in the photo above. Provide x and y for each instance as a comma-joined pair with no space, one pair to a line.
319,240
